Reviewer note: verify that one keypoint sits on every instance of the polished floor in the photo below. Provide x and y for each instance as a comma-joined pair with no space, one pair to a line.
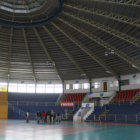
20,130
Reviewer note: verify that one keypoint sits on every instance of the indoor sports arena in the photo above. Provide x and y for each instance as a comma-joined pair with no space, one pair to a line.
69,69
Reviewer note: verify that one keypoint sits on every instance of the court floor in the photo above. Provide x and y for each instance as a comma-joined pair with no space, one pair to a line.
20,130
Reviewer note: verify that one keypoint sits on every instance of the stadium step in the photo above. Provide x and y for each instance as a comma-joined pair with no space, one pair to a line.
102,115
136,98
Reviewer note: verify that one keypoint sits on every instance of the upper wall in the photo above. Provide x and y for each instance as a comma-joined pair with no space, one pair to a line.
134,83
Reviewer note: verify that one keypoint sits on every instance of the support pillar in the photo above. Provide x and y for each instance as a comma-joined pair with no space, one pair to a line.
90,85
119,81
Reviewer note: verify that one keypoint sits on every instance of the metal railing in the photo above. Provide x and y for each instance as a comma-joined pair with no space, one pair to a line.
19,112
118,118
29,103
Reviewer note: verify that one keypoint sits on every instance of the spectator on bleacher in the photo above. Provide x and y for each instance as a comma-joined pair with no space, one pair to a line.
27,116
38,117
43,114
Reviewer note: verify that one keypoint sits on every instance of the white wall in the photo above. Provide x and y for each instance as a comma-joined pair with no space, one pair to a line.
102,80
102,94
134,84
134,81
32,82
71,90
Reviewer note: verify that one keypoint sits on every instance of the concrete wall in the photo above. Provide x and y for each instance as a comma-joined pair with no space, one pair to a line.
71,90
102,94
134,80
134,83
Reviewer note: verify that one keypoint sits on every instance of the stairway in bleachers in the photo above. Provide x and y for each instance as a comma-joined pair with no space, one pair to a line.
102,115
98,110
3,105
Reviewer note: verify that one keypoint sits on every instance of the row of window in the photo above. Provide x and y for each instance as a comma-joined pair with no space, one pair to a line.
31,88
77,86
87,86
82,86
49,88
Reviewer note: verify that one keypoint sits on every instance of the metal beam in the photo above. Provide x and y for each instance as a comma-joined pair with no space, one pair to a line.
106,29
87,51
9,53
132,3
29,54
109,15
47,52
64,50
102,43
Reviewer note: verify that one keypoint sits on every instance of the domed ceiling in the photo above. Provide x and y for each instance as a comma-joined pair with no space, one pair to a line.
28,12
85,39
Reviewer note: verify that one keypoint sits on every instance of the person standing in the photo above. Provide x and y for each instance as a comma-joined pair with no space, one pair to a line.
43,115
38,117
27,116
54,117
48,116
51,116
58,117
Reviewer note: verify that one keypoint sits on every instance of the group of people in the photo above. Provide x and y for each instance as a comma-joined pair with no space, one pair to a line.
45,117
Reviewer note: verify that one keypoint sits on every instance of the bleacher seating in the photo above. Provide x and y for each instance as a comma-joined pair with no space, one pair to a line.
18,111
126,95
73,97
124,112
20,103
22,97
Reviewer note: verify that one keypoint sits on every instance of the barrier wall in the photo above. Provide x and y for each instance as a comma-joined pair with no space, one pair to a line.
3,105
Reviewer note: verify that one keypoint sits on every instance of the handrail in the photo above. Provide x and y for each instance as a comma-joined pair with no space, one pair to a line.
135,118
30,103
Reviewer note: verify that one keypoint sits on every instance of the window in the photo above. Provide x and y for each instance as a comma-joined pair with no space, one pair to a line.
58,88
12,87
85,85
40,88
96,85
75,86
114,84
22,88
3,87
49,88
31,88
3,84
67,86
124,82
